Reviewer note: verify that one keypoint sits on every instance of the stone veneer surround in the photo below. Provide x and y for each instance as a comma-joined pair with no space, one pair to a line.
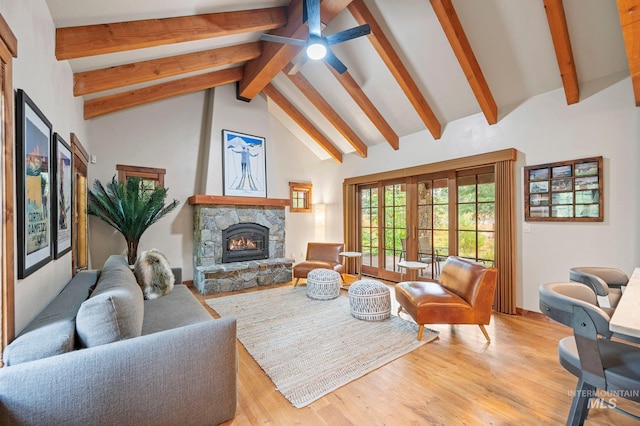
211,276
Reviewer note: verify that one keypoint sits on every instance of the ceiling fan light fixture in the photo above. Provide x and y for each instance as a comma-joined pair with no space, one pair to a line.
316,47
316,50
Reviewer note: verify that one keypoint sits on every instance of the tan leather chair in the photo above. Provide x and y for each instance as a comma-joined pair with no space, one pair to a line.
319,255
462,295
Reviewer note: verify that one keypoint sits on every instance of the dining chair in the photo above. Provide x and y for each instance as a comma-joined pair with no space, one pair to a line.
427,255
607,283
598,362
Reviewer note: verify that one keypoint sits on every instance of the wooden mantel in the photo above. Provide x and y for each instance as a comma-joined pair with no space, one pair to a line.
238,201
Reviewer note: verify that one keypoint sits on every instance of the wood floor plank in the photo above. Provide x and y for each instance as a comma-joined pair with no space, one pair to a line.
458,379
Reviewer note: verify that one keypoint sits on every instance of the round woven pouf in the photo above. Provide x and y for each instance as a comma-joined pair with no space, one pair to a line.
323,284
370,300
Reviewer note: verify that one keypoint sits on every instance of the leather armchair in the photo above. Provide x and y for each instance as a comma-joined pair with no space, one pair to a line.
462,295
319,255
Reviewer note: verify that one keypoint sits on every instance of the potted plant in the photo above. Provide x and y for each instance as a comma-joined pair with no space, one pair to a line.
130,207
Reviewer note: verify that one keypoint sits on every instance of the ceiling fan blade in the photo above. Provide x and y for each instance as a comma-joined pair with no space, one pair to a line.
349,34
280,39
297,63
335,62
313,16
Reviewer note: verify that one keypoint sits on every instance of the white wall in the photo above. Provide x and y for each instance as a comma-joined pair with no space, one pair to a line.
49,83
250,118
182,135
295,163
166,134
543,129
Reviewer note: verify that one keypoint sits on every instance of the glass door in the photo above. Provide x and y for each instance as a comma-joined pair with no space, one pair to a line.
394,229
383,228
433,224
368,224
427,218
477,215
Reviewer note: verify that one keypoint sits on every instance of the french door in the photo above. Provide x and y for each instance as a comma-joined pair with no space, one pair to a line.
434,216
426,218
383,228
476,216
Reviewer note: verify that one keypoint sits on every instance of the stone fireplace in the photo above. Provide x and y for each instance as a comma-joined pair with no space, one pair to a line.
238,243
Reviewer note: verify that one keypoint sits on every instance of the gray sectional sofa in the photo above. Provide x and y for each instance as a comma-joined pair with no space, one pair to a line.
99,354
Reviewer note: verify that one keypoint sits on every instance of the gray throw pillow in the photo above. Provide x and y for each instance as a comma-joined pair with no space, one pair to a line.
115,309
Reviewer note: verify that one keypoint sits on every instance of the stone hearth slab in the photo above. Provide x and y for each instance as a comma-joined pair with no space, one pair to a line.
225,277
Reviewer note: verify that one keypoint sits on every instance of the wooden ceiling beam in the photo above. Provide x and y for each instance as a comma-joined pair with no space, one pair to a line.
275,56
562,45
329,113
384,48
363,101
629,11
89,40
302,121
460,44
107,104
94,81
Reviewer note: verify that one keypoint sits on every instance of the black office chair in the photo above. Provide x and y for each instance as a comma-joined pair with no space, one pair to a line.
606,282
590,354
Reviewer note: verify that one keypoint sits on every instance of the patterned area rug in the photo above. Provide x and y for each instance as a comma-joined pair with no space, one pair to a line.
309,347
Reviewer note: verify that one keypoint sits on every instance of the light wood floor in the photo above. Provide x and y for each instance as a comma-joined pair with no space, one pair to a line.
458,379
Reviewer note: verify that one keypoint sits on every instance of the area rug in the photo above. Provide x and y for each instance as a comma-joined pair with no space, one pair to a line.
309,347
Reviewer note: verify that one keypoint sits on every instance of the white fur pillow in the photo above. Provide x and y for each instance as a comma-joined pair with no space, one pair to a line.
154,274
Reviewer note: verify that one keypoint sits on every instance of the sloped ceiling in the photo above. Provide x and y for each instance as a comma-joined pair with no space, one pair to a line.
426,63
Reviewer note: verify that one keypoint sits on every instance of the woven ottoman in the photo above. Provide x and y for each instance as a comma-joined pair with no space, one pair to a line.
323,284
370,300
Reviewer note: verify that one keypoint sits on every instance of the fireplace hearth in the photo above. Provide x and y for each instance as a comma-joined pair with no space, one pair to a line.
245,241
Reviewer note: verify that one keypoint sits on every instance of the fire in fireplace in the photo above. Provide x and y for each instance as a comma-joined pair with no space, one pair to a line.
245,241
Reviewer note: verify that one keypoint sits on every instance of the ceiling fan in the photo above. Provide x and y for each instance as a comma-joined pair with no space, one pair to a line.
318,46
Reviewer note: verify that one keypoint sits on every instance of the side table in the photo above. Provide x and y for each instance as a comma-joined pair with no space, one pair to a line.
351,254
409,265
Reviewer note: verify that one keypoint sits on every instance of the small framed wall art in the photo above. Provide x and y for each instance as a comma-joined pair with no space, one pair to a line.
564,191
33,185
244,165
61,196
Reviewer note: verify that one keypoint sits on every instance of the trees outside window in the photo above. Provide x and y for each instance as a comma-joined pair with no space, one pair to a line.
427,218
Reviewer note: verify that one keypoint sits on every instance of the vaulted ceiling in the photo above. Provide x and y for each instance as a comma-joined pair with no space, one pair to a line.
426,62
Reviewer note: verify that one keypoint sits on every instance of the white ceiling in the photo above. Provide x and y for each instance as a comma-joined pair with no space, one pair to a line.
510,39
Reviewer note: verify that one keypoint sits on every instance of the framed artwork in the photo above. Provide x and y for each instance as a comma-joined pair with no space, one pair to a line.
33,185
562,171
61,196
558,185
539,187
573,191
539,174
243,165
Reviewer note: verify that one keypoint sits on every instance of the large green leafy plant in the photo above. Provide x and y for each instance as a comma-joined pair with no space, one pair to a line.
130,207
